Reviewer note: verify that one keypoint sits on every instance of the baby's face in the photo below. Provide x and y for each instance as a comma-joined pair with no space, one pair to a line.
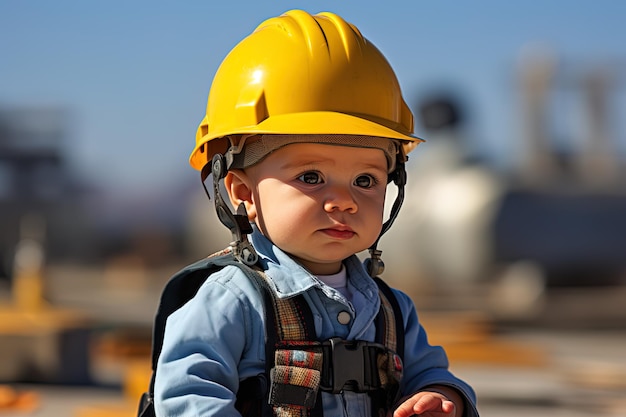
320,203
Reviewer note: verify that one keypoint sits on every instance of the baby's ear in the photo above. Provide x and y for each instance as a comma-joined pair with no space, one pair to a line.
239,188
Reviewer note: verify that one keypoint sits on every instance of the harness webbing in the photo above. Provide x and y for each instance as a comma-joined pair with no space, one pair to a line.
300,363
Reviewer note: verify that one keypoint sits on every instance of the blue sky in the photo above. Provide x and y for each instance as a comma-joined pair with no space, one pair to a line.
135,75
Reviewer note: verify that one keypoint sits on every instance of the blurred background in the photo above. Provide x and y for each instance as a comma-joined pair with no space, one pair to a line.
512,239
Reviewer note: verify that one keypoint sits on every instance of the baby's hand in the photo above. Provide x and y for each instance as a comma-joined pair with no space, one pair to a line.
426,404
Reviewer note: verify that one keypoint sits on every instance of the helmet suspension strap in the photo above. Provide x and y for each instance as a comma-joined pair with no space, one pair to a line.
375,265
237,223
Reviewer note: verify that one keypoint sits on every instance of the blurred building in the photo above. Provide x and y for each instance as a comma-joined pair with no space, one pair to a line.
39,196
565,207
554,220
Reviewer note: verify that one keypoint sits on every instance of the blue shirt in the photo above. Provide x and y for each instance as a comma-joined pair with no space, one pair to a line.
217,339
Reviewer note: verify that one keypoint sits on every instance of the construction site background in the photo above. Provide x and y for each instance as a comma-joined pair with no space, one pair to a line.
518,271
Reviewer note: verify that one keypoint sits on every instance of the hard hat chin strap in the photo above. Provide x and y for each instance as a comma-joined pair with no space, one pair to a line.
375,265
237,223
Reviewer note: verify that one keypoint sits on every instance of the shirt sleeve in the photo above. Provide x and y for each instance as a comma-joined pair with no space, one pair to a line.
425,364
205,341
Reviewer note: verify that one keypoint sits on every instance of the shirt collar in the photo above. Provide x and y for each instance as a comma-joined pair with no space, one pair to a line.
290,278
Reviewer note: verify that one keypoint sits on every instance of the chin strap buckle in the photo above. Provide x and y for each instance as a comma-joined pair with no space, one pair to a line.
238,222
375,265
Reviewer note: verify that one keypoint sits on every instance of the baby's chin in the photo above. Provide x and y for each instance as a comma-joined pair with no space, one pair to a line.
320,267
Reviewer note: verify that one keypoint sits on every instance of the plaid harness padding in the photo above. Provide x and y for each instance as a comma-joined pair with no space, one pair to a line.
389,365
296,376
295,380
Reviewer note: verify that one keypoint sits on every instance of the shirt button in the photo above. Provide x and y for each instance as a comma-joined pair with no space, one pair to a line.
343,317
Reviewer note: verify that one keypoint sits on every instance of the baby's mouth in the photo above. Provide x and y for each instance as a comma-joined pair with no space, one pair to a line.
339,232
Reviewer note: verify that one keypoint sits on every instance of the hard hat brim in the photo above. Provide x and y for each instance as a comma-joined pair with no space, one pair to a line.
305,123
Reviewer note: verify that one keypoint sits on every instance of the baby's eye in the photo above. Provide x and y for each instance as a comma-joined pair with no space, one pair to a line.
365,181
311,178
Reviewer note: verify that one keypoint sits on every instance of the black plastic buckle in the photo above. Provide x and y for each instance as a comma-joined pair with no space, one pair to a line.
350,365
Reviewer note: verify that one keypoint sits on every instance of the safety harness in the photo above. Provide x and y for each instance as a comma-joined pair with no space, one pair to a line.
298,367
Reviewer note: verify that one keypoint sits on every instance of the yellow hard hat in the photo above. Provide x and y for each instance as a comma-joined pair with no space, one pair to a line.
303,74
